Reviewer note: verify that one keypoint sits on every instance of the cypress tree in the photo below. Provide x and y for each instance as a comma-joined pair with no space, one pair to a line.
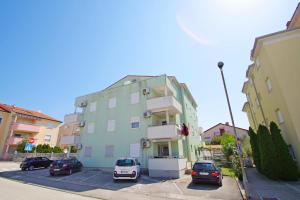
286,166
255,149
267,152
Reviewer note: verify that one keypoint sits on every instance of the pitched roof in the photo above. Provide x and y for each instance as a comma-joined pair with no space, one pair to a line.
224,125
24,111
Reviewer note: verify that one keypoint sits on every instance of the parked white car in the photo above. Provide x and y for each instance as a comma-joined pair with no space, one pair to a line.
127,168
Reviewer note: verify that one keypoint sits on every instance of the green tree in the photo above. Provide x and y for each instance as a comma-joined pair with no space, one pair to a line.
255,148
21,146
286,166
73,149
267,152
227,138
43,148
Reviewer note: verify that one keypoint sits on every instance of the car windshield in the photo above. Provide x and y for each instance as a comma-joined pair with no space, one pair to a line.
204,166
125,162
28,159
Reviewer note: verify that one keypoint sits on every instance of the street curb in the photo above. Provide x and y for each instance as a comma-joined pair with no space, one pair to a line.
241,189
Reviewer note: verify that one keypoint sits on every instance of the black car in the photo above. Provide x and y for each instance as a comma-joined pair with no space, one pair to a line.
35,162
206,171
65,166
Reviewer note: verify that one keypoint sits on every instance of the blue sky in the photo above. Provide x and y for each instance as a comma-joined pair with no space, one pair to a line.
53,51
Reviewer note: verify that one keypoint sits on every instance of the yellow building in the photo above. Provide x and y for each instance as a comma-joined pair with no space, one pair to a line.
17,124
273,81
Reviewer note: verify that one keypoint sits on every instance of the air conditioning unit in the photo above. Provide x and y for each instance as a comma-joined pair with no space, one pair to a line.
81,124
146,91
83,104
147,114
145,143
78,146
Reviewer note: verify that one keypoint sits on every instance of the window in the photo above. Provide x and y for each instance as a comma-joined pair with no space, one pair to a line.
135,122
135,98
91,128
279,116
0,119
112,102
111,125
88,151
93,106
163,150
135,150
50,125
18,135
269,85
257,63
47,138
109,151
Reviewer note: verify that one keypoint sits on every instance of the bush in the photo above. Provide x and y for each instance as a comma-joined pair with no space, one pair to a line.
228,149
227,138
73,149
43,148
21,146
57,149
236,164
255,148
286,166
267,152
216,140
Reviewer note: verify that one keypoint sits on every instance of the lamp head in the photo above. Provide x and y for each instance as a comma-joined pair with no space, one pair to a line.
220,64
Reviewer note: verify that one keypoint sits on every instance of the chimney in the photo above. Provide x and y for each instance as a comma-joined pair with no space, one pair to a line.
227,123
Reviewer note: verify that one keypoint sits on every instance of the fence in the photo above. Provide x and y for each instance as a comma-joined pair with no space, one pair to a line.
18,157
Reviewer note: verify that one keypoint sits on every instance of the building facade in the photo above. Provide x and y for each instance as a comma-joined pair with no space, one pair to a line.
141,117
272,83
220,129
18,124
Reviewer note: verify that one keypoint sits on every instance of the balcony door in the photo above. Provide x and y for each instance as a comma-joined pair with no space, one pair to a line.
163,150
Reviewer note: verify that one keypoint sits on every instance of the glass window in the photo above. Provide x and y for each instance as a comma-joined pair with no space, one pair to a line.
280,117
47,138
112,102
204,166
269,85
111,125
135,122
109,151
91,128
125,162
93,106
0,119
135,98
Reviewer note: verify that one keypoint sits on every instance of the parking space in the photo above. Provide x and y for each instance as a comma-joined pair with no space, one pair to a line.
98,183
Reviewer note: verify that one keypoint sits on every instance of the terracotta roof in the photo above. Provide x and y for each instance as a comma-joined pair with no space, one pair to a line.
224,125
24,111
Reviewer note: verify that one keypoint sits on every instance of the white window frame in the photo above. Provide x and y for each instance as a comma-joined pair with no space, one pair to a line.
135,98
47,140
91,128
135,120
269,84
112,102
279,116
93,106
135,150
111,125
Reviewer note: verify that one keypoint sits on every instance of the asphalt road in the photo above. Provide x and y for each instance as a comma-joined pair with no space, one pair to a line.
20,191
99,184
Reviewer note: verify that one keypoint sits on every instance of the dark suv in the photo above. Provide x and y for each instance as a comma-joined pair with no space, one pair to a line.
35,162
65,166
206,171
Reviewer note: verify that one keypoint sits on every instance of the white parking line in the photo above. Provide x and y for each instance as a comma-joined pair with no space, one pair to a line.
89,177
293,187
176,186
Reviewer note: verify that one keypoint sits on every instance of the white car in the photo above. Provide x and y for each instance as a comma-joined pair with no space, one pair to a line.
127,168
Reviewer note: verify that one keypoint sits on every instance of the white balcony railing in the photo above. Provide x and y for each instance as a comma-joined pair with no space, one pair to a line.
158,104
167,167
170,131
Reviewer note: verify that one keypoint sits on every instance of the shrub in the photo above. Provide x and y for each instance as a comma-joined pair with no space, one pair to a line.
43,148
73,149
267,152
57,149
227,138
228,149
236,164
216,140
286,166
255,148
21,146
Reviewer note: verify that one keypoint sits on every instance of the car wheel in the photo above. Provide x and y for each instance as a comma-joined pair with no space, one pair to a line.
135,180
51,174
23,169
31,167
220,183
70,171
115,180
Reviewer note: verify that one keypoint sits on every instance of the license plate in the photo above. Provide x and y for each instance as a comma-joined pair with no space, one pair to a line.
203,173
56,170
124,172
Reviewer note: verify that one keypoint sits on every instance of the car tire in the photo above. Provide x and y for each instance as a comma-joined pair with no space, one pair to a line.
31,167
115,180
135,180
23,169
70,172
220,183
51,174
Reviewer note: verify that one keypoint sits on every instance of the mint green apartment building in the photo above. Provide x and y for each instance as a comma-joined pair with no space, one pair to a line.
141,117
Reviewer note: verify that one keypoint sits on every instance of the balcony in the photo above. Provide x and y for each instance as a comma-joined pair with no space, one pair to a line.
72,118
13,140
170,131
69,140
167,167
25,127
158,104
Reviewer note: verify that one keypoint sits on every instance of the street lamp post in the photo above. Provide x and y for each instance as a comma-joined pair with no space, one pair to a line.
238,142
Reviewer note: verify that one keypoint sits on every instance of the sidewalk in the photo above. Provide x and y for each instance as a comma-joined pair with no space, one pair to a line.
260,188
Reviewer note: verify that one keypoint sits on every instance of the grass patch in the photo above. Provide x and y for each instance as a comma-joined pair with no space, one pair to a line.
226,171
